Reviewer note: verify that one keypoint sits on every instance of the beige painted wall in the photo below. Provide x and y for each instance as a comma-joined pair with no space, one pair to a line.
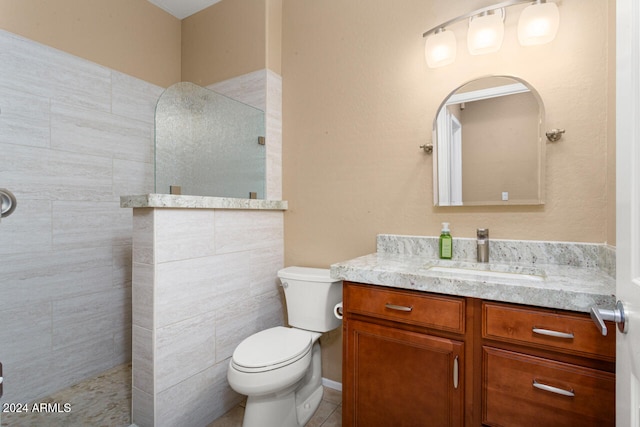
358,100
228,39
274,35
223,41
131,36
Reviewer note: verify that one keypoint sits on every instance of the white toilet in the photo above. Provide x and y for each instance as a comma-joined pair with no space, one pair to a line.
279,369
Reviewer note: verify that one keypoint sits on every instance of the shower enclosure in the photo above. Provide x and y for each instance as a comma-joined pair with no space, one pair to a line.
208,144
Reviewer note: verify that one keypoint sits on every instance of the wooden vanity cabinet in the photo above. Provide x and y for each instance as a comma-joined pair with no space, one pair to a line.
420,359
403,358
545,368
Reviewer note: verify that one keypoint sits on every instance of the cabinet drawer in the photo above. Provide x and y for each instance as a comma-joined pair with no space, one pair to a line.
570,333
412,307
522,390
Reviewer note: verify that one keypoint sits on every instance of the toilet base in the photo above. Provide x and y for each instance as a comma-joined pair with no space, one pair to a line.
292,407
280,411
308,397
267,411
306,409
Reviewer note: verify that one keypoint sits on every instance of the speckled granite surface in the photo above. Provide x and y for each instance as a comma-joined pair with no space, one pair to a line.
569,276
198,202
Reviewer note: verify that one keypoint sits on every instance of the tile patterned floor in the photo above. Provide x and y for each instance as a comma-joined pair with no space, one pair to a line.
105,401
101,401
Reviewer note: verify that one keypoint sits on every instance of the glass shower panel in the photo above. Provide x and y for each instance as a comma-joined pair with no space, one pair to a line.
208,144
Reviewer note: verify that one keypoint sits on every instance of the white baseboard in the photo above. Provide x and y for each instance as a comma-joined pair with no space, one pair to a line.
332,384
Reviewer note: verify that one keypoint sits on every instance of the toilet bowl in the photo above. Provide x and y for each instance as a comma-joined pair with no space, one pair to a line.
271,360
280,369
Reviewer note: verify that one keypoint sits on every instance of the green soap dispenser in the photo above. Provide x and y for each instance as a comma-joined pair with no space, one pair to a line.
446,242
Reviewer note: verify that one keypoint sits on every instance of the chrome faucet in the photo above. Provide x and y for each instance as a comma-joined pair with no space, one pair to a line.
483,244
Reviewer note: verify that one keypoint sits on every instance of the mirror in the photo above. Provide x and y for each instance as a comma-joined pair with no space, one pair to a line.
488,145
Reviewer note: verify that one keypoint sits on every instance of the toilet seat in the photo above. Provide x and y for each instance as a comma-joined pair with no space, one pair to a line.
271,349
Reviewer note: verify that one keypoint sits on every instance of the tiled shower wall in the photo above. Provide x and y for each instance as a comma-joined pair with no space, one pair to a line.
74,136
204,279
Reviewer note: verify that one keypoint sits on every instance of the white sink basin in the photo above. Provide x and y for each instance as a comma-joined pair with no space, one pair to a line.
487,273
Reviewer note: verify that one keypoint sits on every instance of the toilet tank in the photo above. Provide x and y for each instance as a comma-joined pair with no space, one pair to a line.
311,295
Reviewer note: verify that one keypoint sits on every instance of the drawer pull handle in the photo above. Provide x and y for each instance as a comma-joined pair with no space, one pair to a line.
550,333
553,389
398,307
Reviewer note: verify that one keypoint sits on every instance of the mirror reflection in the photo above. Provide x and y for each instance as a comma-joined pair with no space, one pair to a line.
488,146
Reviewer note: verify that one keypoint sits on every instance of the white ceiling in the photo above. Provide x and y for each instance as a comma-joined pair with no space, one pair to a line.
183,8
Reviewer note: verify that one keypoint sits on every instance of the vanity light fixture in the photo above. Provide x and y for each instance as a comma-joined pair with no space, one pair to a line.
440,49
538,24
486,32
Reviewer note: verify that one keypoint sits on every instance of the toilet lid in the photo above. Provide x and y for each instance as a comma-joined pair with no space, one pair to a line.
275,346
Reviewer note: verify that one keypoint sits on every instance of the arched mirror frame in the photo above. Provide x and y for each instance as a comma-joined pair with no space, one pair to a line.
442,175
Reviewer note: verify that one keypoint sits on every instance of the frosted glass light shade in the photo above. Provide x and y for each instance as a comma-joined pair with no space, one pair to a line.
485,34
440,49
538,24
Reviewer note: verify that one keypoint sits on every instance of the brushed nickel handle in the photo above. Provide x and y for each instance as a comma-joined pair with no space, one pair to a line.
455,372
8,202
599,315
551,333
553,389
398,307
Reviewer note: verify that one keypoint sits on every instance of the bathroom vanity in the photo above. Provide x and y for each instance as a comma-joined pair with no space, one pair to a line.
454,343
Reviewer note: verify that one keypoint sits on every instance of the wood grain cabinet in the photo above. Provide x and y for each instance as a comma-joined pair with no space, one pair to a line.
419,359
545,368
398,372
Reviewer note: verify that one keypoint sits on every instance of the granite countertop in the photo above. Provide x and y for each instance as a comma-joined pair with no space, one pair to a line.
569,279
198,202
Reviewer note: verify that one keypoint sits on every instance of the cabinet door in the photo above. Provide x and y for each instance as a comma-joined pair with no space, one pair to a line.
400,378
